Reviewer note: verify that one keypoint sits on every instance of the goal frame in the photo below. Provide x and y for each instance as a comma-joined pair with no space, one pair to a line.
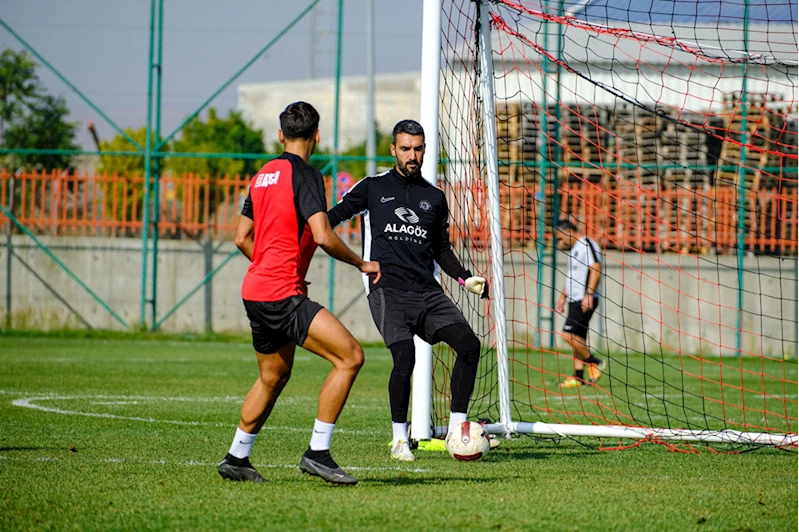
422,381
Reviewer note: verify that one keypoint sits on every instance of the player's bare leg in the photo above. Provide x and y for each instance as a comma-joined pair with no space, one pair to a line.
582,359
274,373
579,349
328,338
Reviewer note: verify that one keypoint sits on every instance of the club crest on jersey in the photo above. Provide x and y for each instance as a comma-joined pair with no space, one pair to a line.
424,205
406,215
265,179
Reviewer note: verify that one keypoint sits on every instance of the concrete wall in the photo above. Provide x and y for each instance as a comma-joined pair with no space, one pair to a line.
680,302
684,303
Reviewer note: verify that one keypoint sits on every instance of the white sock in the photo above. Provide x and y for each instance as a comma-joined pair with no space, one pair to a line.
322,432
242,443
400,432
456,418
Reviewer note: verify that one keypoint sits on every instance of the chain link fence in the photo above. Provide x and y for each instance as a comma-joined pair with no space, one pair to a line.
138,232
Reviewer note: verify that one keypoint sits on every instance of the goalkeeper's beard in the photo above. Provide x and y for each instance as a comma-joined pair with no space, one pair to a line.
403,168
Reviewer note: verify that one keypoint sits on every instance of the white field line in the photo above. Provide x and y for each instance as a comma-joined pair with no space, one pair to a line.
373,402
29,403
228,398
192,463
149,360
32,403
109,400
367,403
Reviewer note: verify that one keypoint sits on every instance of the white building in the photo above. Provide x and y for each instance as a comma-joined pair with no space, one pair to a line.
396,98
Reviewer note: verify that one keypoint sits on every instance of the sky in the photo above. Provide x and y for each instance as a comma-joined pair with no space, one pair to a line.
101,47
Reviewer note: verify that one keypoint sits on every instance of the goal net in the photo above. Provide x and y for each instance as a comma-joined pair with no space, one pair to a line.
667,131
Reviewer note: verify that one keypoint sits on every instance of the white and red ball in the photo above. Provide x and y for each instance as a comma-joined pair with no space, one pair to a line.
468,441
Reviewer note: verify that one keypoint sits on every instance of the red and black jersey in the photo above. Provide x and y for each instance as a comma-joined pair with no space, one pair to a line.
283,195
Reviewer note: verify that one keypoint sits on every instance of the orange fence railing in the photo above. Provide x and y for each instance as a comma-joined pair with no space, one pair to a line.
619,216
701,220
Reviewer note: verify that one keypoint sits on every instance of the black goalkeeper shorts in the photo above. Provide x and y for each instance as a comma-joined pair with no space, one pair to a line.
276,323
401,314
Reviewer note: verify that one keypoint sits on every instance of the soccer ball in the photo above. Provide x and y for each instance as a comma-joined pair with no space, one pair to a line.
468,441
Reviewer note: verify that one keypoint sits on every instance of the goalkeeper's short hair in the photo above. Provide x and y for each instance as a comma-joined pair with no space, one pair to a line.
411,127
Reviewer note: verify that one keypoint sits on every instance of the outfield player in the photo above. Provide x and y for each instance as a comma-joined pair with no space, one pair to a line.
581,291
283,220
406,224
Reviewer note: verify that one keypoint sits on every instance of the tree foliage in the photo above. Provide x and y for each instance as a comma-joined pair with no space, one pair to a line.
230,135
218,135
356,168
19,86
29,117
124,164
44,128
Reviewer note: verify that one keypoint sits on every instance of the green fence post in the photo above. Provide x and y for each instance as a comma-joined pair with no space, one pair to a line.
333,188
156,213
148,150
741,229
235,76
543,169
9,251
556,156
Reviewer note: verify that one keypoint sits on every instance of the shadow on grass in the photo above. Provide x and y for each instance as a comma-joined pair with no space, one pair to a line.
537,454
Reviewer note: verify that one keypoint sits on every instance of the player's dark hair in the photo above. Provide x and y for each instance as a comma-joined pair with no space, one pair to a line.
299,121
411,127
564,224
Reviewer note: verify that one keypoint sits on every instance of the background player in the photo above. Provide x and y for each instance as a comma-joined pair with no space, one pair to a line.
406,222
283,220
582,293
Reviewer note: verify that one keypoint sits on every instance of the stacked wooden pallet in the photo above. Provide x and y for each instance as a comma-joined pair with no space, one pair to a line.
583,137
683,152
517,133
748,129
785,140
517,153
636,145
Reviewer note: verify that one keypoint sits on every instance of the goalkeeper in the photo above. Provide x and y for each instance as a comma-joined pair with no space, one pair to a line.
406,229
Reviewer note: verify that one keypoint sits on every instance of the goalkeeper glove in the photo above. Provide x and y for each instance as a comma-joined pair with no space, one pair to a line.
475,284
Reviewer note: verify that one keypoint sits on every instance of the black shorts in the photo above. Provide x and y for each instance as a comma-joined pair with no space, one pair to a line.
577,320
401,314
276,323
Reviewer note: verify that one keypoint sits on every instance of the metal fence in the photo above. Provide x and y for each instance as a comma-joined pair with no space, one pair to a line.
699,220
61,227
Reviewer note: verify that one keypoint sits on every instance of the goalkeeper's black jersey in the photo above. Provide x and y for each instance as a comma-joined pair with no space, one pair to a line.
405,229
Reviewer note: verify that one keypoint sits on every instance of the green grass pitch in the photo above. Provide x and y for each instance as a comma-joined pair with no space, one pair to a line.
125,434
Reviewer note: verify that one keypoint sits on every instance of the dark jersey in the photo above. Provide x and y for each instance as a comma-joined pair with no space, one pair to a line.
283,195
406,229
